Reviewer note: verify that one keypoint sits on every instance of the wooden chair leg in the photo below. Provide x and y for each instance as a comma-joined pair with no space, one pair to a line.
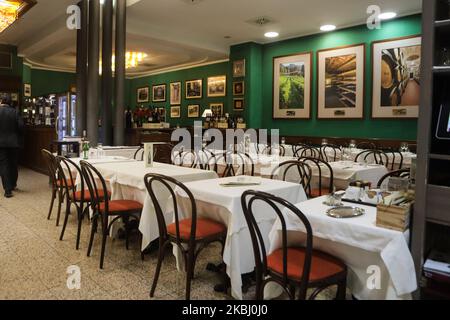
51,204
342,289
158,268
102,254
80,222
126,221
60,201
189,273
91,239
66,219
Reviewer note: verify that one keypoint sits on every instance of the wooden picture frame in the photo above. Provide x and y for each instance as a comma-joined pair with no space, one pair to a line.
239,68
238,104
193,111
175,112
341,82
194,89
216,108
159,93
239,88
292,79
175,93
143,95
27,90
217,86
396,78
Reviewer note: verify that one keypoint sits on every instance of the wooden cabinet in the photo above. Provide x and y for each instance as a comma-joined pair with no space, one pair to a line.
36,139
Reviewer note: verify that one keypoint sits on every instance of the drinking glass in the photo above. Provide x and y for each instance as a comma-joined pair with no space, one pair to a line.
100,151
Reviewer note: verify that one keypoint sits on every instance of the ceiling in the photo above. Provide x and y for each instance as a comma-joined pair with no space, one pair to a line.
183,33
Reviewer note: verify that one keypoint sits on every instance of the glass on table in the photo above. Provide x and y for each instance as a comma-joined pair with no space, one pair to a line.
404,147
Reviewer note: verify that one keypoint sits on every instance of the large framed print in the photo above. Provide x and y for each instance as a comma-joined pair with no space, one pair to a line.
159,93
396,78
292,86
340,88
143,94
217,86
175,93
194,89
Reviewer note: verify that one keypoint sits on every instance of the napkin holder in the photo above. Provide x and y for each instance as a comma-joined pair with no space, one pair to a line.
394,217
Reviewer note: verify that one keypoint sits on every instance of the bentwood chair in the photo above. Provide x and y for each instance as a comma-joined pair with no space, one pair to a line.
108,211
189,233
293,171
139,154
373,156
186,158
230,164
311,152
402,173
323,172
397,158
80,197
294,268
56,183
276,151
205,158
330,153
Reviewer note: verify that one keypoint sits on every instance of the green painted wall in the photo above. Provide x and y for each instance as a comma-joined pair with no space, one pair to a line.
16,62
45,82
395,129
183,75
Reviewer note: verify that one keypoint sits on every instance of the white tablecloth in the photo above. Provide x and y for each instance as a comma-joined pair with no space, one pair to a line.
223,204
127,152
360,244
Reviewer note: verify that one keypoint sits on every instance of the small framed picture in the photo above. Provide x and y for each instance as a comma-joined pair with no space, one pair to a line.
27,90
175,112
194,111
175,93
239,68
238,104
14,97
238,88
194,89
159,93
216,108
143,95
217,86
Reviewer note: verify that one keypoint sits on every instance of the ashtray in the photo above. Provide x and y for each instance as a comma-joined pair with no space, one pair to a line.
345,212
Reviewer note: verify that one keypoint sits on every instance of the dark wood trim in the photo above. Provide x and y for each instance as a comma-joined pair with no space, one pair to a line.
372,70
310,53
364,81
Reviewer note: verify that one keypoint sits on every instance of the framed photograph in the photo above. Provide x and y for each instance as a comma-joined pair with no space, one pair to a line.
159,93
175,112
292,86
194,89
217,86
14,97
216,108
238,104
143,95
239,68
340,89
238,88
27,90
194,111
396,78
175,93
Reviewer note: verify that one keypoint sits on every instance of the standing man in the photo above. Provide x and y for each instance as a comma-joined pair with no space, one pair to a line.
11,126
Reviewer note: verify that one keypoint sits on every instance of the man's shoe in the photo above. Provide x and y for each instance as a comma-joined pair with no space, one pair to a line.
8,194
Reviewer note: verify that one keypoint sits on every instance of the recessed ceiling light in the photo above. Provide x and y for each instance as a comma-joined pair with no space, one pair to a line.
387,15
328,27
271,34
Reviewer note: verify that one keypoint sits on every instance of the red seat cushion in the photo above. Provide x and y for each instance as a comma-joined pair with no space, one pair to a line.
116,206
316,192
60,183
205,228
322,265
87,195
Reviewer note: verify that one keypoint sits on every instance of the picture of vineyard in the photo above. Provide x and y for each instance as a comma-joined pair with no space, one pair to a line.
292,86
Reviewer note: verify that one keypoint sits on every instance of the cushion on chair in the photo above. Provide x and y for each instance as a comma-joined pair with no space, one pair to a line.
205,228
316,192
60,183
322,265
87,195
117,206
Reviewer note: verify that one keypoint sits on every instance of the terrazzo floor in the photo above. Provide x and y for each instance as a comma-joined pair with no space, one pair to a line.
34,263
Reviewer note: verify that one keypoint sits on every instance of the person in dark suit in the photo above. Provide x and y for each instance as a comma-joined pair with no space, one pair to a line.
11,125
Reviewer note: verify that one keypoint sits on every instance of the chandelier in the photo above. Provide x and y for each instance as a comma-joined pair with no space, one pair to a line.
132,60
8,13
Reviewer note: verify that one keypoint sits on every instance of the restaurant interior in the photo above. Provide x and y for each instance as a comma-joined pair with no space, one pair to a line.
226,150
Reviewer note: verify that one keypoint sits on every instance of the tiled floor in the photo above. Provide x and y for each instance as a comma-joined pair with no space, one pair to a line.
33,262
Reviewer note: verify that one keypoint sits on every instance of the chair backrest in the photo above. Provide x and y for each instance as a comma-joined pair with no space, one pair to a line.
95,182
397,158
139,154
375,156
234,164
205,159
319,168
330,153
366,145
286,171
248,199
311,152
278,151
67,168
402,173
169,184
186,158
52,167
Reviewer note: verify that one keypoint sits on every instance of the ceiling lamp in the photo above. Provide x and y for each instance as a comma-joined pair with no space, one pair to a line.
387,15
328,27
271,34
11,10
132,60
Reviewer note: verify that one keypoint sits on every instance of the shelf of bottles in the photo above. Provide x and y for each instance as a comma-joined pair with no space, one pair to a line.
40,111
224,122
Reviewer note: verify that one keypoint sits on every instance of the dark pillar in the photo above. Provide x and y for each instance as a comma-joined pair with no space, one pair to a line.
121,26
93,77
107,81
82,51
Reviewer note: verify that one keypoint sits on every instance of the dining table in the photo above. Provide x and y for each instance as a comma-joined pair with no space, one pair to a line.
217,201
380,264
